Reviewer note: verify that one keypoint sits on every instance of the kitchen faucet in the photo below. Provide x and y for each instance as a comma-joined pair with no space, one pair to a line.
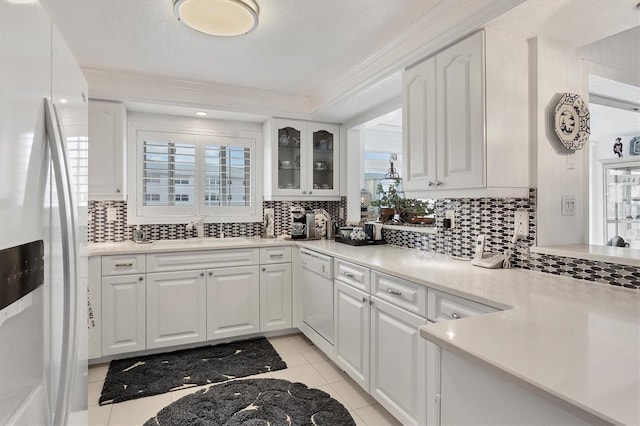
199,225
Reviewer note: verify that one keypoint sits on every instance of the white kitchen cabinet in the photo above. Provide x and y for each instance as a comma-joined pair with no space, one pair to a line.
275,297
301,160
464,112
123,314
176,308
107,135
398,362
233,302
471,394
352,332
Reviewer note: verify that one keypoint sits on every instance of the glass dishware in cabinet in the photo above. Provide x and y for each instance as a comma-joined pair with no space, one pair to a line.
289,157
323,165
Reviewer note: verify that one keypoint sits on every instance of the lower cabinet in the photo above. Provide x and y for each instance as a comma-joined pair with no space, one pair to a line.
275,297
379,345
123,314
176,308
233,302
352,332
398,362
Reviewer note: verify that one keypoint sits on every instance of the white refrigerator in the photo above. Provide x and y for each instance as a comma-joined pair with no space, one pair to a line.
43,202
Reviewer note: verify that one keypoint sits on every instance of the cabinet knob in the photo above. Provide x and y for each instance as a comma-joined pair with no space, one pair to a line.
210,274
364,300
140,278
264,269
304,192
454,315
202,274
438,183
310,192
430,184
118,190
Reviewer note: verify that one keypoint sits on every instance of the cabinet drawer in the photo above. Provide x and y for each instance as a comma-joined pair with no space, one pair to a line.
123,264
186,260
445,306
355,275
402,293
275,255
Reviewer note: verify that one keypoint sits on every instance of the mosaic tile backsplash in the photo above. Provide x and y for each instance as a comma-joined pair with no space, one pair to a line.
490,216
100,230
494,218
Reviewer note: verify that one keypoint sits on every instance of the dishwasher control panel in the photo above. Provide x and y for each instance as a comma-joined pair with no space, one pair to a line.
317,263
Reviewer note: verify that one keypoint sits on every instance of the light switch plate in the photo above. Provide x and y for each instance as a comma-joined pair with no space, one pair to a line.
450,214
521,223
568,205
112,214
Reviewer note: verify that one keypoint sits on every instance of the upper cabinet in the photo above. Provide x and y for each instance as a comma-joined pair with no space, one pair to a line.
301,160
107,133
465,118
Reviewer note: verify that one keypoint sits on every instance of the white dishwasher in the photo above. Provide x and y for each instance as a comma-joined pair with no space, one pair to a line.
317,295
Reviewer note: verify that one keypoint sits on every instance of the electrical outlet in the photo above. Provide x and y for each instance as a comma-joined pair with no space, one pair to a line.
451,215
568,205
521,223
112,214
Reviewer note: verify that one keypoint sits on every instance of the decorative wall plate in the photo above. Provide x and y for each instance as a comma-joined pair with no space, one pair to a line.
322,217
571,123
634,146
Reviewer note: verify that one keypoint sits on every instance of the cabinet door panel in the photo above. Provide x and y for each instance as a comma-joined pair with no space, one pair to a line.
460,147
419,118
323,168
233,302
398,362
275,297
123,314
352,332
176,308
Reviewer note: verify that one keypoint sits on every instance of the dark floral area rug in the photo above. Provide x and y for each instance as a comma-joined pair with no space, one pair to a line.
273,402
149,375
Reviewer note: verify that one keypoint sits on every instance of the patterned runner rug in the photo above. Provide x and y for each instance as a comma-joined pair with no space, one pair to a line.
149,375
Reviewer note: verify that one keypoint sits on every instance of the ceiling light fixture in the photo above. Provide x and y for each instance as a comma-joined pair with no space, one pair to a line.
218,17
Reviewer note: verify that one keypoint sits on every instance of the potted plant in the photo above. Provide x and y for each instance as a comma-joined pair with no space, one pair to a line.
387,201
410,210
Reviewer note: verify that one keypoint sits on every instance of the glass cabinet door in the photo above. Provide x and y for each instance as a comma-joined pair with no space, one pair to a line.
622,208
288,158
323,167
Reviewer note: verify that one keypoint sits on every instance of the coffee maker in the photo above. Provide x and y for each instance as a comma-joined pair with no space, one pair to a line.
303,224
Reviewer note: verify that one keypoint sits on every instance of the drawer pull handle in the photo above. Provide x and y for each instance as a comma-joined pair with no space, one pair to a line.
124,265
394,292
276,255
348,274
455,316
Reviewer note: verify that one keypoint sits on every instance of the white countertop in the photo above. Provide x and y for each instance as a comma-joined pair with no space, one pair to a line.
620,255
573,342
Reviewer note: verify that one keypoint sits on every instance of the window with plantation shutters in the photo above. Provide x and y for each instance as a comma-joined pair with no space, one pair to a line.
168,173
180,177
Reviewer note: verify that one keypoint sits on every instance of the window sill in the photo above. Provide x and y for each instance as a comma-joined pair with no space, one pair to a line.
421,229
619,255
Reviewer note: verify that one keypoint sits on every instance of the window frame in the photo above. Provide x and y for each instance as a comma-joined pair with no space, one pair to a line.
201,132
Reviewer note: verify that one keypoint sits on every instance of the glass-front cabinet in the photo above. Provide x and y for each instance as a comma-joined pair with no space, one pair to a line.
622,200
301,160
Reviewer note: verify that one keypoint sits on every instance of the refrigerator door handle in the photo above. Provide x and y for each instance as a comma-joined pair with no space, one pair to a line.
69,255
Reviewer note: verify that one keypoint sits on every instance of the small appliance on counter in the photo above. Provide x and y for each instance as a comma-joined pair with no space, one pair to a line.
298,223
358,236
303,224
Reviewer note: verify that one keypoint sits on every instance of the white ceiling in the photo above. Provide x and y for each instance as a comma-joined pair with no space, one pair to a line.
320,59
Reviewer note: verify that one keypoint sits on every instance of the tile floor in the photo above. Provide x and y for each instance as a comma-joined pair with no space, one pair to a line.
305,364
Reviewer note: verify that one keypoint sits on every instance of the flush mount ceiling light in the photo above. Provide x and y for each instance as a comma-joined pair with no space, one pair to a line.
218,17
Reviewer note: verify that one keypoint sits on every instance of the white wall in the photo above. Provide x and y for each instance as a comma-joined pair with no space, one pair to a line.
555,68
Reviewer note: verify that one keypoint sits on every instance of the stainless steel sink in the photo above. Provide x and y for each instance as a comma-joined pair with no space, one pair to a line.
202,242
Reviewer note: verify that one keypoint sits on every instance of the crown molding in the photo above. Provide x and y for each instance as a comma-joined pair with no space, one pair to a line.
442,25
143,88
